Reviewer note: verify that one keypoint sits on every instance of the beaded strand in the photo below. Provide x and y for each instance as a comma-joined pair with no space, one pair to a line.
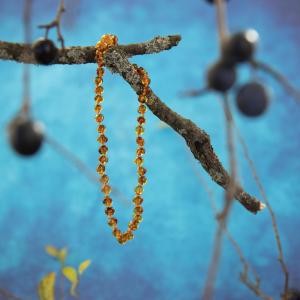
107,41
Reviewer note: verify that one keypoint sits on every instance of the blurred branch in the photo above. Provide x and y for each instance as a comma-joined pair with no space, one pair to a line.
56,23
272,214
116,59
7,295
194,92
290,89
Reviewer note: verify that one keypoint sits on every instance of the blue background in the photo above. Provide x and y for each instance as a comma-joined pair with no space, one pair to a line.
45,200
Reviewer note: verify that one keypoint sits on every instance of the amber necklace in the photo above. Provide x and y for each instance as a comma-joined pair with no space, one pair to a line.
107,41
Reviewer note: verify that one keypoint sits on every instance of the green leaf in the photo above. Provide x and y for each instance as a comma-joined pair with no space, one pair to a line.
46,287
52,251
83,266
71,274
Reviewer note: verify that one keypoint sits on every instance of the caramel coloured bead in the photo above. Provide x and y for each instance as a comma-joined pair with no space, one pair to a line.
139,130
99,89
100,72
140,141
137,218
142,109
140,151
104,179
122,239
103,159
98,108
117,233
109,211
142,180
133,225
139,160
98,80
142,171
101,128
99,118
128,235
102,139
145,80
141,120
101,169
106,189
139,190
103,149
98,99
138,200
112,222
138,210
107,201
142,98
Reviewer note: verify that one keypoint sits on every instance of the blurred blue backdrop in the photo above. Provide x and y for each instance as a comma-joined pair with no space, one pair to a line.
45,200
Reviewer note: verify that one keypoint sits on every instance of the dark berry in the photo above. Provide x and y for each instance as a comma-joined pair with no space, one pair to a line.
293,295
25,135
240,47
45,51
220,77
252,99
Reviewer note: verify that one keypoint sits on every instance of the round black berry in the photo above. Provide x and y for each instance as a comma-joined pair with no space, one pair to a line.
45,51
220,77
252,99
240,47
293,295
25,135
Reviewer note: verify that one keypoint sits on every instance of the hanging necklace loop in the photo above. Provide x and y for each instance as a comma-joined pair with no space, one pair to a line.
106,42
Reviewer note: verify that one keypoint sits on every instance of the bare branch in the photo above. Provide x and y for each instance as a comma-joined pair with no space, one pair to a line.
116,60
279,77
85,55
8,295
56,23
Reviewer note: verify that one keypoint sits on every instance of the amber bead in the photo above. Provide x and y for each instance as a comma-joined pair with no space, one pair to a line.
142,171
140,141
133,225
139,190
99,89
109,211
104,179
98,99
102,139
145,80
101,128
103,159
122,239
141,120
140,151
138,210
112,222
128,235
107,201
98,80
99,118
138,200
142,98
142,180
100,72
139,130
142,109
139,160
106,189
138,218
98,108
145,92
117,233
101,169
103,149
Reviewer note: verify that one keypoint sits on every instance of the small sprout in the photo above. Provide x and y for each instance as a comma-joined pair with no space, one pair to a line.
46,287
83,266
71,274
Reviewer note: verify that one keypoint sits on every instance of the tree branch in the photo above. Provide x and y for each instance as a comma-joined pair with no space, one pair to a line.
116,59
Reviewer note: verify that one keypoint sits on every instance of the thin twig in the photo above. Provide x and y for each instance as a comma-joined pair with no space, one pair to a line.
269,207
26,68
194,93
116,59
281,79
221,21
56,23
8,295
223,216
80,165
